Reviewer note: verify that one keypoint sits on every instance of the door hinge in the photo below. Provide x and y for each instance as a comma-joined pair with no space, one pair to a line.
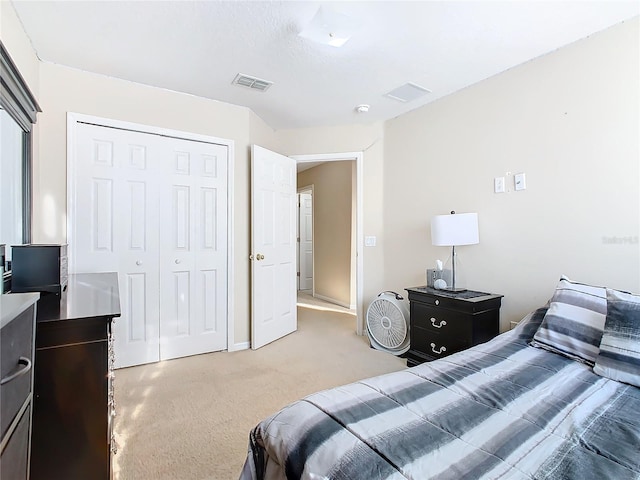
297,274
298,239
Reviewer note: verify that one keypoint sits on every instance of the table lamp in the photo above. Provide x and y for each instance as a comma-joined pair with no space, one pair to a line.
451,231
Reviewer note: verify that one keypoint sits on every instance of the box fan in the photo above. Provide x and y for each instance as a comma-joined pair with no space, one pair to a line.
388,323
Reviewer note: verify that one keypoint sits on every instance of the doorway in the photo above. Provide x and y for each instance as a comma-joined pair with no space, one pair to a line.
273,199
357,226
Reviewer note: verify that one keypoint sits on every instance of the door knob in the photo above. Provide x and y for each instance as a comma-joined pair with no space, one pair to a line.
138,262
177,261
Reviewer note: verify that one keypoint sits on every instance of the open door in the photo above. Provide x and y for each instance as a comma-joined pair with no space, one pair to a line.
305,240
273,246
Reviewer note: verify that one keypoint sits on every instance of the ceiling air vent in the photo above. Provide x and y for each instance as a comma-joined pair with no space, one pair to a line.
251,82
407,92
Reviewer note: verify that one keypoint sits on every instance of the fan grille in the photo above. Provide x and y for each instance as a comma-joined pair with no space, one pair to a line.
386,324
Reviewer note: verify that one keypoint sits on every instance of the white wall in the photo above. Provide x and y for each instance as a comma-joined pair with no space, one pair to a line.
19,46
570,121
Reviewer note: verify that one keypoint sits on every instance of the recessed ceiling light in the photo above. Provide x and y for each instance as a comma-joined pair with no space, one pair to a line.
407,92
251,82
330,28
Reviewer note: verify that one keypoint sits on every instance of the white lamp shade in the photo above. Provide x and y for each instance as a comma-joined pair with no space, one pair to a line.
455,229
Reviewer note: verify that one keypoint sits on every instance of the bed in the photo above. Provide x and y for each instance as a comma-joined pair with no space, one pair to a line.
503,409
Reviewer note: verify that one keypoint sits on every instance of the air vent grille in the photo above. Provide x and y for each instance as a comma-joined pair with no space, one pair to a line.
251,82
407,92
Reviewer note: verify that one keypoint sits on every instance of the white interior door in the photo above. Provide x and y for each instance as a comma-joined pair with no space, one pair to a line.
306,241
154,209
273,246
193,250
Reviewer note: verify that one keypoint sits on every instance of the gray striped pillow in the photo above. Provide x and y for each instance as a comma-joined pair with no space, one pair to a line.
574,323
619,357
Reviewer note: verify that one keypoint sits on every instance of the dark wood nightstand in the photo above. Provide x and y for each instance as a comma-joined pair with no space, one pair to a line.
444,322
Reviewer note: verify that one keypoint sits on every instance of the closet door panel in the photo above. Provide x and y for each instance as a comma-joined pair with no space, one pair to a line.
114,228
193,315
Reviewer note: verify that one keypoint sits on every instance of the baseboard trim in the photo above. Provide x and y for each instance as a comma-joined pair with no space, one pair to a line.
334,301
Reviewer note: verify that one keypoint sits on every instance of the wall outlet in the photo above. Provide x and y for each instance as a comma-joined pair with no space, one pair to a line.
498,185
369,241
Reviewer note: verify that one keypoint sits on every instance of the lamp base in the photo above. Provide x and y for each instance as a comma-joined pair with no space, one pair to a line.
455,290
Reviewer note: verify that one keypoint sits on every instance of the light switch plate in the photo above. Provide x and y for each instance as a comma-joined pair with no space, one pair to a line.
498,185
370,241
519,181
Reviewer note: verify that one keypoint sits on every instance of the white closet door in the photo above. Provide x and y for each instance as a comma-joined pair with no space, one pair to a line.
114,221
154,209
193,219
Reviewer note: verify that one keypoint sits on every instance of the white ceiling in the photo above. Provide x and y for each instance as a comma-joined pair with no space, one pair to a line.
198,47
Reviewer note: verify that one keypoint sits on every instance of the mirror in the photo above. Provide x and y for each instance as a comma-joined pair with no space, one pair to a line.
12,172
18,111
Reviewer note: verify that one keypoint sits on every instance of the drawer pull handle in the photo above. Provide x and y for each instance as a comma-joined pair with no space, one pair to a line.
438,352
25,367
437,302
440,325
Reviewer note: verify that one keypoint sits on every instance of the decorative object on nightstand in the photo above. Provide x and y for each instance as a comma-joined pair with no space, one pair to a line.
451,231
444,322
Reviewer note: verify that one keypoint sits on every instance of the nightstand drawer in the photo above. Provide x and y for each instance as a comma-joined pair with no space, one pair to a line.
439,320
436,345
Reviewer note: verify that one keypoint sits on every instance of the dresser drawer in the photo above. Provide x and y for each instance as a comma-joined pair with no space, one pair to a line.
16,347
14,462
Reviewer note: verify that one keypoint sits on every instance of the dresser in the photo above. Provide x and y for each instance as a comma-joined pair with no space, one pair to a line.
73,380
17,320
442,323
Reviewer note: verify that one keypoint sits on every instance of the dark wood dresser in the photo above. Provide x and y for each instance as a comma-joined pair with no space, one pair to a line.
442,323
17,326
73,390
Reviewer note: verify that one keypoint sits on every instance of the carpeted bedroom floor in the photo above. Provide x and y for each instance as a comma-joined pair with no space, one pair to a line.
190,418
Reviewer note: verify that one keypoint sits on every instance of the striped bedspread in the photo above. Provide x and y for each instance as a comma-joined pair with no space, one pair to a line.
501,410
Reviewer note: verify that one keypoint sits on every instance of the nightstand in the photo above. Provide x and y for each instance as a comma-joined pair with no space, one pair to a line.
442,323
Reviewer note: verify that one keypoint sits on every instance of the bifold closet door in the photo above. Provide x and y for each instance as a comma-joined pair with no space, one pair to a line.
193,247
153,208
114,228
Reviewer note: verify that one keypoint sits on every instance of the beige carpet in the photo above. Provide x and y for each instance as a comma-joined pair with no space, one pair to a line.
190,418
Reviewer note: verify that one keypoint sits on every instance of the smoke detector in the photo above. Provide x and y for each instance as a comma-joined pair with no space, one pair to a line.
362,108
252,82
